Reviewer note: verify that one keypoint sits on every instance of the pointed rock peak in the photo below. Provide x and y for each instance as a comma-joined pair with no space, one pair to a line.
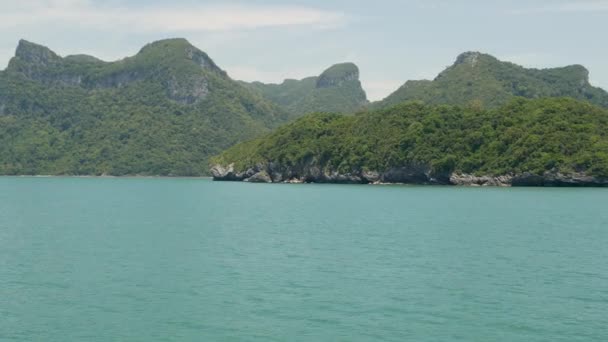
576,72
34,53
338,74
341,70
166,44
473,58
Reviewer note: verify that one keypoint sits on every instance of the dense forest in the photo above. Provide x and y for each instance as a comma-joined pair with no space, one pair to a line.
167,109
558,135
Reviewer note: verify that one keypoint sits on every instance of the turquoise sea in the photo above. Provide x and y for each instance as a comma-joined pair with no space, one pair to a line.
135,259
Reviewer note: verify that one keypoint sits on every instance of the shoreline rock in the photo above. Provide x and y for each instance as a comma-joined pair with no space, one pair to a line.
472,180
259,177
418,174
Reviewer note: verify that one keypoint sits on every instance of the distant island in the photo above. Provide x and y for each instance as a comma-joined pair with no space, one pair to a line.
170,108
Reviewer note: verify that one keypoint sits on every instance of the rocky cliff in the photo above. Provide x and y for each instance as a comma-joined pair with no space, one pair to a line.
409,174
337,75
337,89
164,61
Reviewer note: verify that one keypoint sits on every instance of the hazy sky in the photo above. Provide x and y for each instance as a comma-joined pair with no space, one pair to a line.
391,41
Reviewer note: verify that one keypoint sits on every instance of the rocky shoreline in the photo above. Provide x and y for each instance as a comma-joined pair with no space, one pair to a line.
409,174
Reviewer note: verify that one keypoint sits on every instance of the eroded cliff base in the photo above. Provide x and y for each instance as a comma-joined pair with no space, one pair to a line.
410,174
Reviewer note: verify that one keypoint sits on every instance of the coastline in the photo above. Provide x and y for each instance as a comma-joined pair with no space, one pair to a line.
106,176
377,179
415,174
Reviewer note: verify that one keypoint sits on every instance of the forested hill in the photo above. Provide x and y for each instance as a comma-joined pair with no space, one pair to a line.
552,141
170,107
338,90
163,111
488,82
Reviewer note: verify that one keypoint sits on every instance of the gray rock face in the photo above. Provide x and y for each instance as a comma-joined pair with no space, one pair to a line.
338,74
70,80
471,180
35,54
371,176
259,177
253,175
203,60
34,61
188,91
228,173
38,74
192,91
42,64
551,178
117,80
471,58
408,174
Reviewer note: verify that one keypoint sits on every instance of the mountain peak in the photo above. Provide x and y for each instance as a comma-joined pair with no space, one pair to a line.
336,90
35,53
170,43
481,77
338,74
179,48
473,58
576,72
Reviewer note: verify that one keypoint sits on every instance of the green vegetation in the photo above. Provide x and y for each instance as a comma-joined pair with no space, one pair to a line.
167,109
483,80
161,112
337,90
557,134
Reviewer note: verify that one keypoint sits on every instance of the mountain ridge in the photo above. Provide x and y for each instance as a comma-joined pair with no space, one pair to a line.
162,111
337,89
169,107
486,80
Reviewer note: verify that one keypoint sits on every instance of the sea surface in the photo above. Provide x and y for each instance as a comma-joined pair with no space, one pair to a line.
136,259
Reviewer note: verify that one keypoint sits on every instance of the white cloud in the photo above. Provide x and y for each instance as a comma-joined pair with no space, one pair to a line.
567,7
86,14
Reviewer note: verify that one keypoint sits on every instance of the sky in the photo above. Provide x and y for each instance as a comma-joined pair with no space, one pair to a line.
268,41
